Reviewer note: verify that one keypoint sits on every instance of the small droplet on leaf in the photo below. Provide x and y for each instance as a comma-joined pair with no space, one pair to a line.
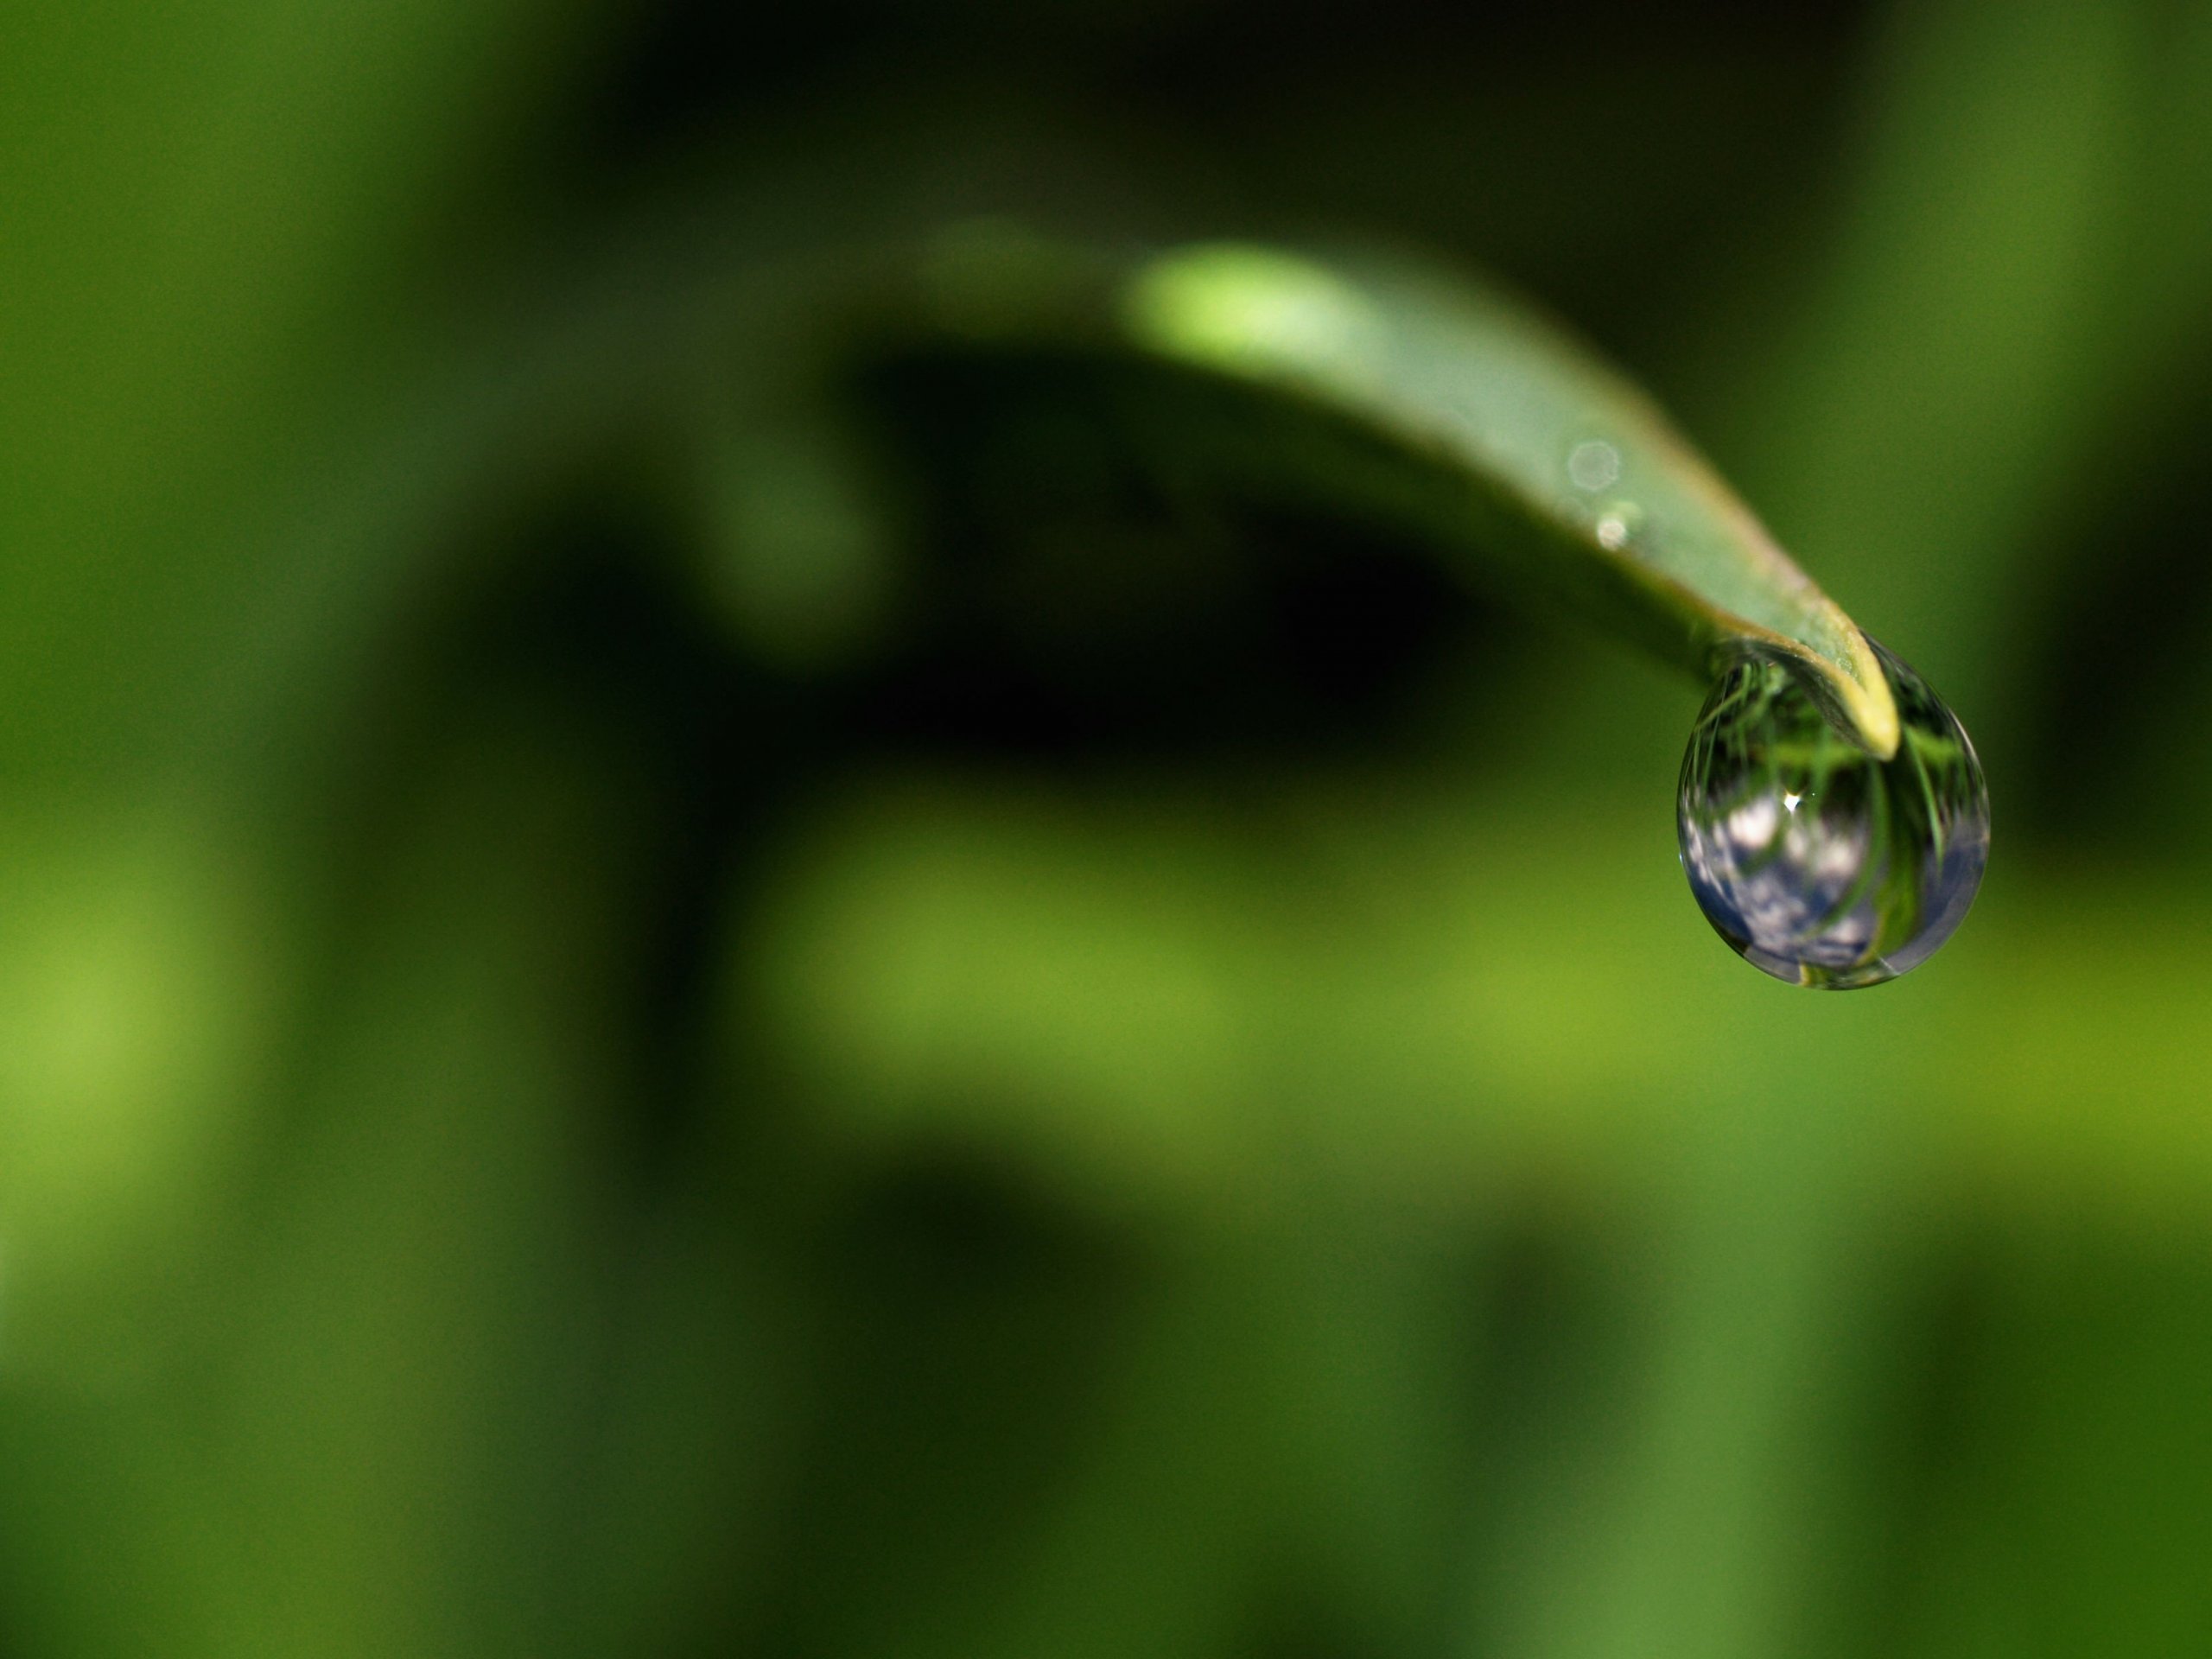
1593,465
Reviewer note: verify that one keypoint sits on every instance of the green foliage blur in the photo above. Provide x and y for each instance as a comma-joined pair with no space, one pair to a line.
653,1008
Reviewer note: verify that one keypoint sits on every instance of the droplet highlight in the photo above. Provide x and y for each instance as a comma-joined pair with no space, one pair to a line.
1813,860
1617,525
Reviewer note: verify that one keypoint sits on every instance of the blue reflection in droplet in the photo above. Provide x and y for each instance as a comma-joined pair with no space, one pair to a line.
1818,862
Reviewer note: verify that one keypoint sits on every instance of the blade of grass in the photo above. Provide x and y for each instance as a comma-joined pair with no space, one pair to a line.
1449,409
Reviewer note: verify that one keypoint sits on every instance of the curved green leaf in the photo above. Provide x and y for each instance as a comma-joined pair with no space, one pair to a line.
1451,409
1446,409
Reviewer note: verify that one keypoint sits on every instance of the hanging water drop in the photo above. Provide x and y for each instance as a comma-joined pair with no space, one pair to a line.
1816,861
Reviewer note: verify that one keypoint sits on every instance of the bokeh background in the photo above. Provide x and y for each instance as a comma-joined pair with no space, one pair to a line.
647,1007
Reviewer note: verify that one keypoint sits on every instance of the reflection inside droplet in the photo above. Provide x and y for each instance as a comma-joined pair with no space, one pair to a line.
1818,862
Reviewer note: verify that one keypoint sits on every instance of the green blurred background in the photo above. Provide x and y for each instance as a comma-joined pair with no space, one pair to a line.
653,1008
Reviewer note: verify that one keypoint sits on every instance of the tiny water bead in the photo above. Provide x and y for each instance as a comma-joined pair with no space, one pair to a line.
1813,860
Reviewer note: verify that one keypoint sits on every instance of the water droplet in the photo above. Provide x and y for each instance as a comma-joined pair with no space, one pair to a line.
1816,861
1616,527
1593,465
